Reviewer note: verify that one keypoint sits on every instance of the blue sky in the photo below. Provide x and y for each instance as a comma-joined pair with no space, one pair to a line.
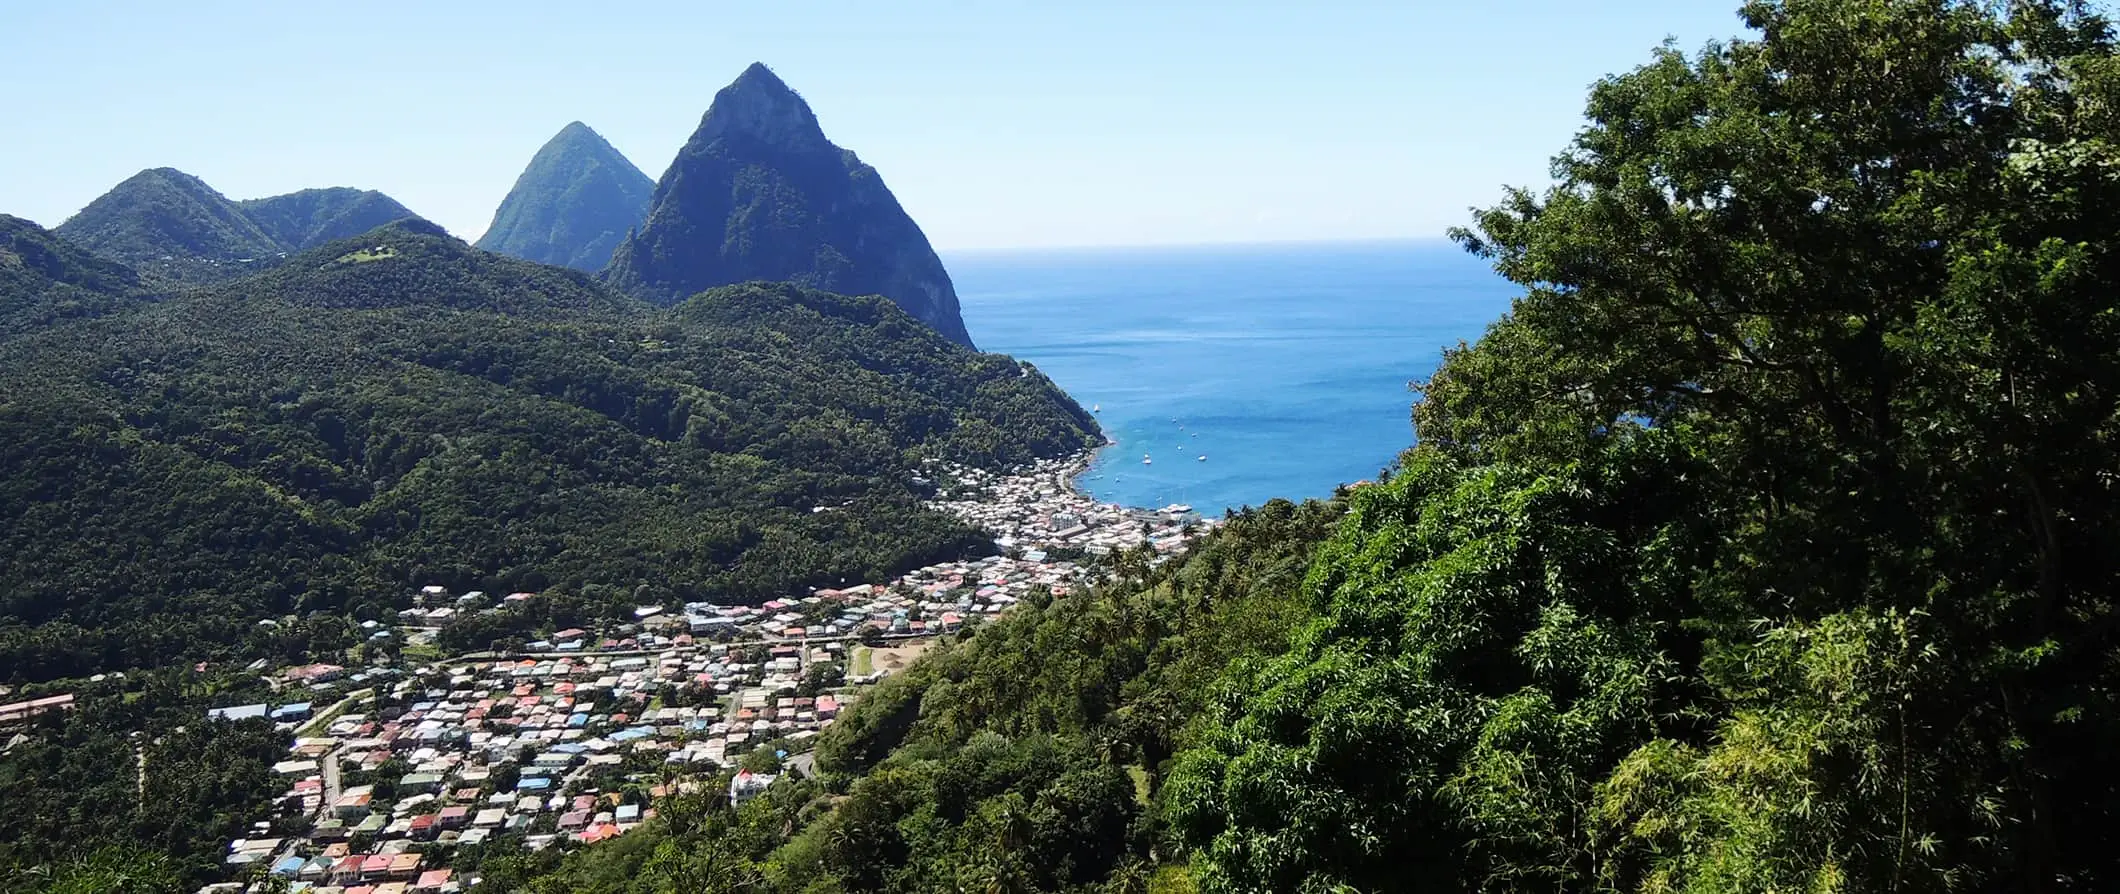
997,124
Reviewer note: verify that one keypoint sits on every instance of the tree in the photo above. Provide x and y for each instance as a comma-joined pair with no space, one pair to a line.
1767,543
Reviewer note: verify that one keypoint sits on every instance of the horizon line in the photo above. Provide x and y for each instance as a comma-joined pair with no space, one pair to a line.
1235,243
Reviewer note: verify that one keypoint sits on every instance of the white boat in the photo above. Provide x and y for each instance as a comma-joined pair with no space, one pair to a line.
1203,457
1145,460
1094,408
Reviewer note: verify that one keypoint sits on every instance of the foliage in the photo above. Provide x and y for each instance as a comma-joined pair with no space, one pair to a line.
44,280
172,228
305,219
573,205
179,232
1767,544
144,785
759,193
1022,756
328,436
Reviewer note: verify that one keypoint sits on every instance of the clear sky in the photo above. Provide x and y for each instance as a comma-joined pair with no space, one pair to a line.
997,124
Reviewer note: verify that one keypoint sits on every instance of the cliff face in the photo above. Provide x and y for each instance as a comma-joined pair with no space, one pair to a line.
573,205
759,193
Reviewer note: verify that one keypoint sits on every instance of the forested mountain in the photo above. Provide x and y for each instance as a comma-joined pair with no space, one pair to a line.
758,193
1768,544
45,279
177,232
306,219
573,205
401,409
172,228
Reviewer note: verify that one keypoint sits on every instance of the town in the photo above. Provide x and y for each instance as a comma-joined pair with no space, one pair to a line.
570,739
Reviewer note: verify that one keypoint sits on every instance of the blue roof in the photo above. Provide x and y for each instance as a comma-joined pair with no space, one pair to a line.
295,706
533,784
289,866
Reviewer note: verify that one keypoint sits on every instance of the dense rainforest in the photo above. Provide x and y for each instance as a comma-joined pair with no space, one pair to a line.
1767,544
400,409
133,790
175,231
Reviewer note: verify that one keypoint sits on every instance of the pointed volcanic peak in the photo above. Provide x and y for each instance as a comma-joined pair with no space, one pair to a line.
171,227
759,193
573,205
303,220
45,279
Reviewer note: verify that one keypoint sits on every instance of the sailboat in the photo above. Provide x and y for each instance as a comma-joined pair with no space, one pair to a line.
1094,408
1145,460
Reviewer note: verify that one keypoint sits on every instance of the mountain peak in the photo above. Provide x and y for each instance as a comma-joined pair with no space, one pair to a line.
760,106
572,205
759,193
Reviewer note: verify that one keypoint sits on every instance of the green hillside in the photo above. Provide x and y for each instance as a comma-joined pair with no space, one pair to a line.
45,279
1767,545
572,205
311,217
173,228
177,232
400,409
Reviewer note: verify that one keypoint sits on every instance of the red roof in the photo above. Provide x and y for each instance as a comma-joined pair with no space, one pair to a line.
433,878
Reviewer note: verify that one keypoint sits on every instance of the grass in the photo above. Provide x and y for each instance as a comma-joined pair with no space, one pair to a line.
368,254
415,654
863,663
1140,778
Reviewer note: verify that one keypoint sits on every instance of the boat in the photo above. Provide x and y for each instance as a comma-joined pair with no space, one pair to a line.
1145,460
1203,457
1094,408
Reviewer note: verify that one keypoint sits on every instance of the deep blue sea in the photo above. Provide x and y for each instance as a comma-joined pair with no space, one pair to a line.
1286,366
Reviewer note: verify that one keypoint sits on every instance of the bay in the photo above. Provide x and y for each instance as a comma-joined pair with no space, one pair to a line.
1287,366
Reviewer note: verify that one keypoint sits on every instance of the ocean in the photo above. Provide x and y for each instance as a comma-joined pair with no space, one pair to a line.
1286,366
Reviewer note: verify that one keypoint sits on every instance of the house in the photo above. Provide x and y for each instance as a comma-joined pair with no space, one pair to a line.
432,880
21,712
316,673
239,712
748,785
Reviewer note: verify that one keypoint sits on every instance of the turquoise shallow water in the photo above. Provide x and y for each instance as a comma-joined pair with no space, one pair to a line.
1287,366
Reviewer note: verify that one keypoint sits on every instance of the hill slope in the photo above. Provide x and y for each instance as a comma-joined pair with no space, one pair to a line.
171,227
400,408
1768,544
45,279
178,232
573,205
759,193
311,217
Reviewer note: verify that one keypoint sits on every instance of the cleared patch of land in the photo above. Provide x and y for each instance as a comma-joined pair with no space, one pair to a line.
896,656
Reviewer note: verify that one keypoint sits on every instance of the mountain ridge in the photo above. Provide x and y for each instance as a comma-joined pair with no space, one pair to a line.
177,232
399,406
